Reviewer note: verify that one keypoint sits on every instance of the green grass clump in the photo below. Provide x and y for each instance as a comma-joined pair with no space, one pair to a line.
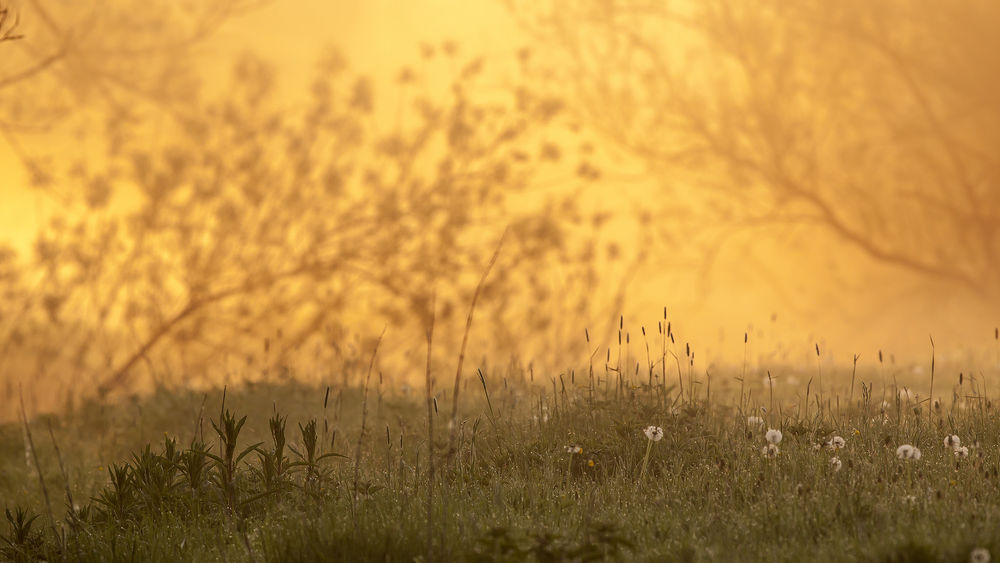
542,473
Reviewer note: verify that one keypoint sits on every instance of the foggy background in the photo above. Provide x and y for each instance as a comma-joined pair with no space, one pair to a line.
201,192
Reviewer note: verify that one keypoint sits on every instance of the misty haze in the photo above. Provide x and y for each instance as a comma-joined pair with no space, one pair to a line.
499,280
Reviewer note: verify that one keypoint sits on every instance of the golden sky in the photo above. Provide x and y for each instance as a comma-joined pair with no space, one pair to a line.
752,282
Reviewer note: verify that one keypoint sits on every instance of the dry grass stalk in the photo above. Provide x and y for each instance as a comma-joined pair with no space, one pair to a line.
453,424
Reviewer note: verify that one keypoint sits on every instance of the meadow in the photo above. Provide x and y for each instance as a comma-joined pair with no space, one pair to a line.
596,464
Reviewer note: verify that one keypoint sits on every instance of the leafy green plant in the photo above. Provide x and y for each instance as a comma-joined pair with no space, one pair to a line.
225,475
310,458
22,543
118,501
274,464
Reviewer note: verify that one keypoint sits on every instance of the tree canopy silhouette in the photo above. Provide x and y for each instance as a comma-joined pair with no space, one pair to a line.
252,222
872,121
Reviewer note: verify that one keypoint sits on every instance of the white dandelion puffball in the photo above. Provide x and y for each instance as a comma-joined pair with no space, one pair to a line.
952,442
979,555
962,452
770,451
836,443
654,433
773,436
916,453
835,463
907,451
755,421
574,449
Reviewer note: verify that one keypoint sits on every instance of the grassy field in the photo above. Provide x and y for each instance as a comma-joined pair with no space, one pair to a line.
559,469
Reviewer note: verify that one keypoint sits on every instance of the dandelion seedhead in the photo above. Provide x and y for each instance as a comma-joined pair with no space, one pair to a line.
961,452
773,436
836,443
979,555
770,451
574,449
835,463
952,441
654,433
906,451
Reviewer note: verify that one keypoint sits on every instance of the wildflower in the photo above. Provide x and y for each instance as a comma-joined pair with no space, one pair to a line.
770,451
979,555
755,421
962,452
952,441
590,463
654,433
571,450
857,432
773,436
836,443
907,451
835,463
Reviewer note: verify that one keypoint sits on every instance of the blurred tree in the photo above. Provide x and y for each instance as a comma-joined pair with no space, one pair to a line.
292,227
83,67
9,22
873,121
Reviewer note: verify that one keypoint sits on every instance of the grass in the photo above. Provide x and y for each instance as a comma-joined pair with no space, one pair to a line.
284,472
